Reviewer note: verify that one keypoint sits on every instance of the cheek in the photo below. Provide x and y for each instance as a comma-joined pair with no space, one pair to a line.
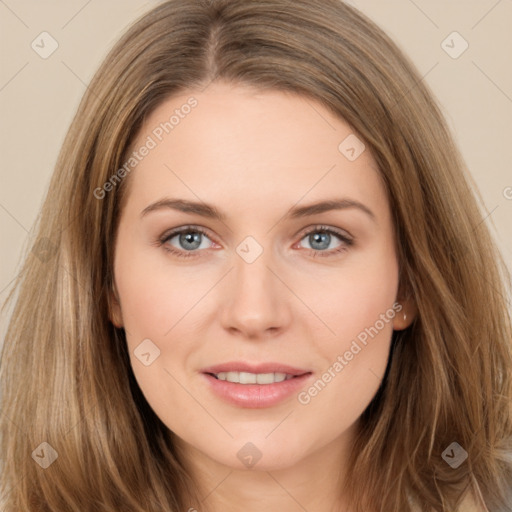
355,299
155,296
359,307
156,303
355,364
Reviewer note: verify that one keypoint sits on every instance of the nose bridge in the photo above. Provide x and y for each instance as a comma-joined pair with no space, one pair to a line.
256,299
254,276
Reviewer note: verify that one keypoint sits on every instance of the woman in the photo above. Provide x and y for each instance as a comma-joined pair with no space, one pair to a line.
253,371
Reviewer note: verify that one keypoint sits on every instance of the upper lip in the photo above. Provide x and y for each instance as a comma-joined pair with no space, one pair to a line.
255,368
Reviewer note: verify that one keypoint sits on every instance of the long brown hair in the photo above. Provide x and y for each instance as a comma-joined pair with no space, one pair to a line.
65,374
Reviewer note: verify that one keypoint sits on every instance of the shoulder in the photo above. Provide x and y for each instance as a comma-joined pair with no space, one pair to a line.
472,502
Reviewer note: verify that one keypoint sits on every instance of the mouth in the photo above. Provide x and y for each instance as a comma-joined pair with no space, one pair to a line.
255,385
253,378
254,373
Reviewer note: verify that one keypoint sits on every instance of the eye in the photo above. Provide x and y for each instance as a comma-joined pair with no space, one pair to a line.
188,240
320,238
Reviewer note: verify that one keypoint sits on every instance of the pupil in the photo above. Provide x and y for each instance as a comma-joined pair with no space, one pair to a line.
318,238
191,238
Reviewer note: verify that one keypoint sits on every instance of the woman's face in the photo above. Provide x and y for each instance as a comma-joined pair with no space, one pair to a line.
271,285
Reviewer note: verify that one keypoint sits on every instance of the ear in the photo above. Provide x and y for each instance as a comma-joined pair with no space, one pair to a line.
114,307
405,315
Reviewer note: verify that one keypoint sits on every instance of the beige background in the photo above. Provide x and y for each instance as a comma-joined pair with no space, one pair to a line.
38,97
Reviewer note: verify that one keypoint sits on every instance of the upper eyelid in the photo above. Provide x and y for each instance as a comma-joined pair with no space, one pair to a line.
323,227
170,233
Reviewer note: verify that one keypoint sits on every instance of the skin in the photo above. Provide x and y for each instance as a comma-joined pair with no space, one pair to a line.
254,155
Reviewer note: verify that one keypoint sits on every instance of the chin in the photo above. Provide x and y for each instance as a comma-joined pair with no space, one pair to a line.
259,454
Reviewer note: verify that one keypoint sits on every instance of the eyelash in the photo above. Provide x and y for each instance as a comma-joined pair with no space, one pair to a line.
196,229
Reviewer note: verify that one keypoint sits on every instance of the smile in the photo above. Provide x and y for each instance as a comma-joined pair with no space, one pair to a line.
255,386
253,378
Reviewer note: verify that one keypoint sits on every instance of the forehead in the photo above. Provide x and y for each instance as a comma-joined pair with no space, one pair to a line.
247,147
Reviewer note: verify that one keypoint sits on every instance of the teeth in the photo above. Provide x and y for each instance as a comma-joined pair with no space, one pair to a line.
246,378
269,378
253,378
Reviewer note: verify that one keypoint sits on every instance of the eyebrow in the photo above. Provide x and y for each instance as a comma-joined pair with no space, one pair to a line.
210,211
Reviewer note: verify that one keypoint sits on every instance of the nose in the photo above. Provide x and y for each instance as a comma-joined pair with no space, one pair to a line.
256,302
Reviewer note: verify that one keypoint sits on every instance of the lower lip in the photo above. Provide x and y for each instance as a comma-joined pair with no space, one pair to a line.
256,396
